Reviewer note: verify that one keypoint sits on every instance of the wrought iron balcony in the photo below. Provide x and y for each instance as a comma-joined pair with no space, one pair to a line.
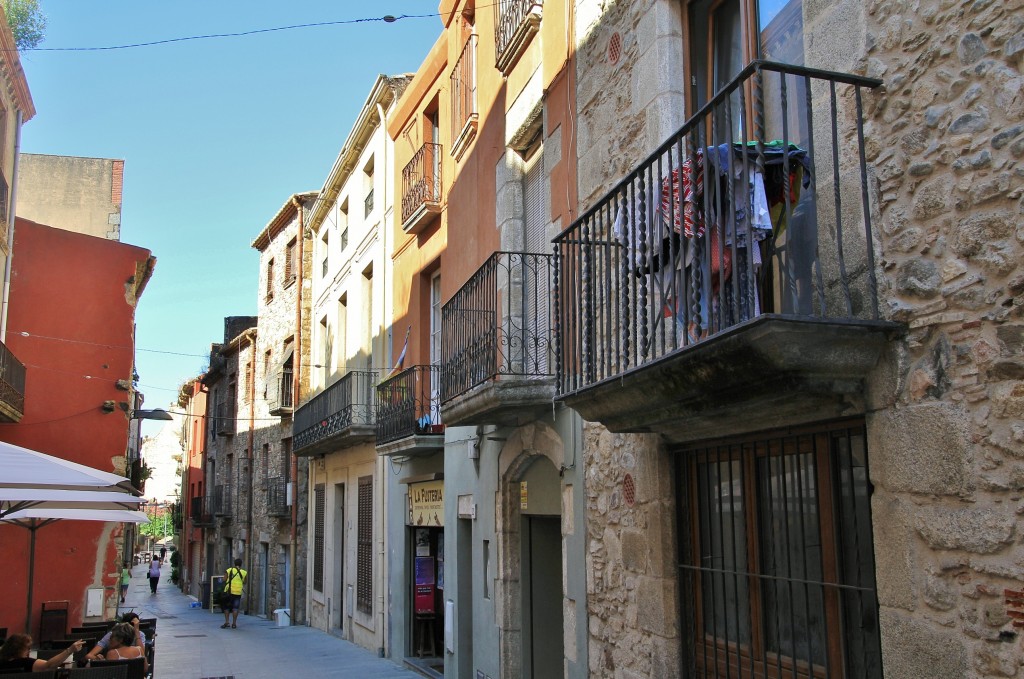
496,341
222,497
224,422
340,416
279,394
409,412
201,511
730,278
421,188
463,90
517,21
12,386
277,496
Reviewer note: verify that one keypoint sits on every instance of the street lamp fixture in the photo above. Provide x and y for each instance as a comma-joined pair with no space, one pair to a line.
154,414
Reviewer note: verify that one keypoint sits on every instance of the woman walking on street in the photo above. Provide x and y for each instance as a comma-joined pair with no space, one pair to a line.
126,577
154,575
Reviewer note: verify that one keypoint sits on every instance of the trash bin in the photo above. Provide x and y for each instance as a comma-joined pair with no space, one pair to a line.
283,616
204,594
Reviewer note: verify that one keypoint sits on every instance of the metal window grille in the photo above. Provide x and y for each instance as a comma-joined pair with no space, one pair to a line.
463,87
364,547
776,559
318,537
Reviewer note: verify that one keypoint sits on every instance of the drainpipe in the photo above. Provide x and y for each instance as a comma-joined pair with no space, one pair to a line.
252,437
296,383
381,473
11,216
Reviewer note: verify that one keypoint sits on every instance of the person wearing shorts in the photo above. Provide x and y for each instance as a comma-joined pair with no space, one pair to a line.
234,581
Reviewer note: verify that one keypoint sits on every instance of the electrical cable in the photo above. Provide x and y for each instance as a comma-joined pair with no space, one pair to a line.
388,18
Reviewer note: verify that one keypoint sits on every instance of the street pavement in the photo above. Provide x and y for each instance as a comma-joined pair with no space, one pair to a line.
191,645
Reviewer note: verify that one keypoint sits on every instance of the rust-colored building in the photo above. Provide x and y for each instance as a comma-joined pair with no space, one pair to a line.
72,322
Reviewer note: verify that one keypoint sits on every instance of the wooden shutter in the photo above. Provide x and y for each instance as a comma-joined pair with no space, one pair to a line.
364,547
318,537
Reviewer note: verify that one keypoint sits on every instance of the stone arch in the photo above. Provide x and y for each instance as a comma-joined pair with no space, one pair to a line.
523,448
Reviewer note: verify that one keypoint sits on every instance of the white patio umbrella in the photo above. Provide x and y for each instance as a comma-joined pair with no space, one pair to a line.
24,468
35,518
37,489
13,500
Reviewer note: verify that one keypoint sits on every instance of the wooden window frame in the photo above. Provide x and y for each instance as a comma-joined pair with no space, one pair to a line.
717,657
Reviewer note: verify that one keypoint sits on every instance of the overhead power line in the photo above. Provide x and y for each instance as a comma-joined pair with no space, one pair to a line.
235,34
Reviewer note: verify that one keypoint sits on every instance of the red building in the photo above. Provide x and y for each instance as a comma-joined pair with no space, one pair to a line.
196,506
71,321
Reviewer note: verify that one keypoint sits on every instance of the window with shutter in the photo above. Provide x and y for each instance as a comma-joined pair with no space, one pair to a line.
364,547
289,262
318,537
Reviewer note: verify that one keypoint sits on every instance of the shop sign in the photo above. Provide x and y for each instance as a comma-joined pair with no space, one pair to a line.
426,503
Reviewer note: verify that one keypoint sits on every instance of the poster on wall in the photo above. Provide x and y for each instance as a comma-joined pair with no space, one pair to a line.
422,542
426,503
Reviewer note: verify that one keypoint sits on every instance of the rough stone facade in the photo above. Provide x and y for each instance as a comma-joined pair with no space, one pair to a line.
273,467
944,139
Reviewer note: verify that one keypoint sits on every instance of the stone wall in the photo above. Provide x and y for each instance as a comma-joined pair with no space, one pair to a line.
632,597
945,138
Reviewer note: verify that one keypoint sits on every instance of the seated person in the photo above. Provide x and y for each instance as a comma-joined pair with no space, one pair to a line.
132,618
125,644
14,655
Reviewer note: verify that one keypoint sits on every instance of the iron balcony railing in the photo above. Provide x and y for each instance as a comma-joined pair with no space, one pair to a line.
759,204
277,496
12,380
224,423
512,15
222,500
498,323
282,397
421,180
408,404
463,80
346,403
201,510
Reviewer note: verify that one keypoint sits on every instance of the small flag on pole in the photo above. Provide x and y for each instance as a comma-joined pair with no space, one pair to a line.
400,362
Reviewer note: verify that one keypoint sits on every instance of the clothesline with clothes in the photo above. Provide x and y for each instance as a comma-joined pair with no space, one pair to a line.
719,195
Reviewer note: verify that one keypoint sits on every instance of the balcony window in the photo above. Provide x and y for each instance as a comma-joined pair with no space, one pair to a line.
342,410
516,23
496,325
277,496
406,407
12,386
421,187
463,92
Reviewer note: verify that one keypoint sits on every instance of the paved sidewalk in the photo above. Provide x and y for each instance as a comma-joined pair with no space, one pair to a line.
191,645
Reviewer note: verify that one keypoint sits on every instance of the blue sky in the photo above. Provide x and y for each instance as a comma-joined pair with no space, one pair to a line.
215,134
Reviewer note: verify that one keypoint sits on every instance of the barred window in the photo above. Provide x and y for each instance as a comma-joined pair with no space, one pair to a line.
776,561
364,547
318,537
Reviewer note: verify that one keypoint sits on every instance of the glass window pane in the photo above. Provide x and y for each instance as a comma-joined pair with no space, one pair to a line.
791,551
723,551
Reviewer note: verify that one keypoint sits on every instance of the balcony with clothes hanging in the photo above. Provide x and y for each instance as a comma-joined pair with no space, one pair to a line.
12,386
496,366
341,416
730,279
409,412
421,188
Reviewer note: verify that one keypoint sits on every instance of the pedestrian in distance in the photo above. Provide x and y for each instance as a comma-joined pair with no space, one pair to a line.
126,577
163,553
234,582
154,575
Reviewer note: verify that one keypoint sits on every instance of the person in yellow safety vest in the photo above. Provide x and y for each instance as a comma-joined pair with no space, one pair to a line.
234,582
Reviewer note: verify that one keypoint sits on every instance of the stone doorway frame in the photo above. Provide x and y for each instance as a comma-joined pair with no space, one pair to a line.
524,447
